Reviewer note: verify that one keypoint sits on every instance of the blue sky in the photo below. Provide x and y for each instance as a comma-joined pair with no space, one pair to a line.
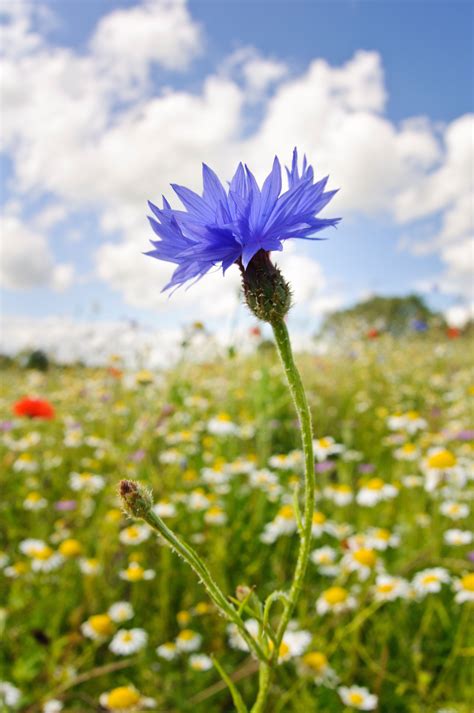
378,94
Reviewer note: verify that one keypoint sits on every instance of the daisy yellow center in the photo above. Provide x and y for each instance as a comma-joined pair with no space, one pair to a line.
127,636
356,698
286,512
123,697
318,518
383,534
132,532
335,595
70,548
284,650
429,579
101,624
135,573
315,660
442,459
324,443
467,582
413,415
343,488
385,588
33,497
214,511
113,515
20,567
409,448
43,553
186,635
202,608
365,557
183,617
223,416
375,484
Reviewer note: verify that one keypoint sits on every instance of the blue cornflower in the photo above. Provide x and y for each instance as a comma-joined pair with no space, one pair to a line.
223,227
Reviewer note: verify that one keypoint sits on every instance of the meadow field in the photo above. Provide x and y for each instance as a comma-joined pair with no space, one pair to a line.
97,614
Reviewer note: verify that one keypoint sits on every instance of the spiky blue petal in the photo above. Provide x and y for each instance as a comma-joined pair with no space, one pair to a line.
222,226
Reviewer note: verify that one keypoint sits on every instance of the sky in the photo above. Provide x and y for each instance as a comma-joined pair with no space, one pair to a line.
107,102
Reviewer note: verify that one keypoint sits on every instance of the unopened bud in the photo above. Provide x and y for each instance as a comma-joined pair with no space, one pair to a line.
242,592
136,499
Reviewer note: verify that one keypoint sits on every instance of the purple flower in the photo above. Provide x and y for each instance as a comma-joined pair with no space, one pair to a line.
138,455
65,505
325,466
366,468
227,226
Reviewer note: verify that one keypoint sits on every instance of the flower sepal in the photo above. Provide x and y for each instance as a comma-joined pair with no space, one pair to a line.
267,293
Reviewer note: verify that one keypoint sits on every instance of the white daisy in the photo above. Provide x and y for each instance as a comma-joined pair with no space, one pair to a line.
188,640
358,697
200,662
120,612
430,581
128,641
134,534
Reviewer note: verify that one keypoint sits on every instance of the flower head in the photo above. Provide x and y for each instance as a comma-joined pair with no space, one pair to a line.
223,227
33,408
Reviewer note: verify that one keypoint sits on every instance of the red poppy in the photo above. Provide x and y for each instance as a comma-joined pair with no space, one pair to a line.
453,332
255,331
373,333
33,408
116,373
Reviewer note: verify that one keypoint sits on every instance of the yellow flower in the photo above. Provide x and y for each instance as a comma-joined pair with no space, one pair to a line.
335,595
467,582
123,697
286,512
183,618
101,624
70,548
365,557
315,660
442,459
318,518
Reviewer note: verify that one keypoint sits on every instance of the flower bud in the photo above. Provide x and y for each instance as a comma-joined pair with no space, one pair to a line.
267,293
242,592
137,500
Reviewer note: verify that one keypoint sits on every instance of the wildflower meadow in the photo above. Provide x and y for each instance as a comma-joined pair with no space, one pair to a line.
237,403
97,613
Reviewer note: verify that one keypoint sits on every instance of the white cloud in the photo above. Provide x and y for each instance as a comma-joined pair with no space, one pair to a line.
258,73
447,191
26,260
127,42
75,145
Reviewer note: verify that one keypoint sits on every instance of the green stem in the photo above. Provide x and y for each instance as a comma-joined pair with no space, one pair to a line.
304,416
264,680
305,522
236,697
194,561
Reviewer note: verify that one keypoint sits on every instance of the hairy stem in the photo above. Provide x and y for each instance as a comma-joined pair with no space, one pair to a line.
194,561
304,416
293,377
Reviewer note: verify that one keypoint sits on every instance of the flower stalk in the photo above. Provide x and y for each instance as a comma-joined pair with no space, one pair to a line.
138,503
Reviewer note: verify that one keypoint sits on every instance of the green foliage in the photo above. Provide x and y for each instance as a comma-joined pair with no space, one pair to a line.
414,654
397,315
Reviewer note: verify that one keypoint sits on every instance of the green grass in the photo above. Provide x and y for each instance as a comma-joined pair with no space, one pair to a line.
414,654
